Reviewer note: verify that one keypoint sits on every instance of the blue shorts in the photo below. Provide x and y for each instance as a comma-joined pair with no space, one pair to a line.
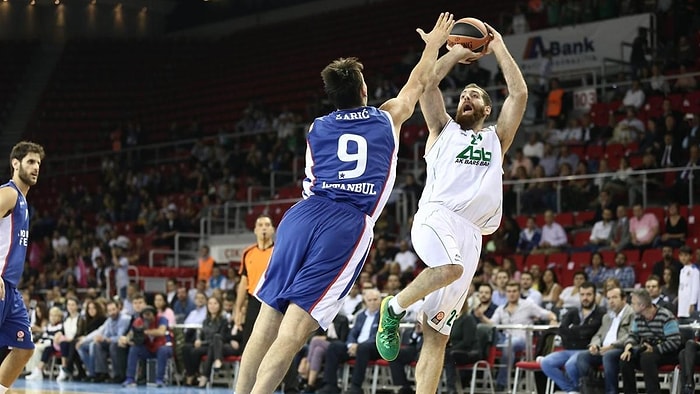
14,320
320,249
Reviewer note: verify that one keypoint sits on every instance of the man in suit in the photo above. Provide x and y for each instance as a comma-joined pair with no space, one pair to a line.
607,344
360,345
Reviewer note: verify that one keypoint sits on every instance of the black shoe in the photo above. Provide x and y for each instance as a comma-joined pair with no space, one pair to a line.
354,389
688,389
328,389
406,390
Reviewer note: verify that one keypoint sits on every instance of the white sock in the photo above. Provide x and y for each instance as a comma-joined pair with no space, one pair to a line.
395,307
3,389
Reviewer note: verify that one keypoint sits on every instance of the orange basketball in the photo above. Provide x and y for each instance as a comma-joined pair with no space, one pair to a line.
471,33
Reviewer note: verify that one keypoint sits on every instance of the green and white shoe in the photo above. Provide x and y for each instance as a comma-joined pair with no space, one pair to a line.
388,339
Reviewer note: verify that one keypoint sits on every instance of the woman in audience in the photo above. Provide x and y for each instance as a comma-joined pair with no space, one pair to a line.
569,297
550,288
66,340
670,288
163,309
310,365
214,340
45,345
508,265
676,229
596,271
40,318
94,317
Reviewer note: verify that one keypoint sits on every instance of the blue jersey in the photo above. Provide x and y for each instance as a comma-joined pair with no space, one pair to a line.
351,158
14,238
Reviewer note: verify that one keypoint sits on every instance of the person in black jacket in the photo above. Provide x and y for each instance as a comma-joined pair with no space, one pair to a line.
464,346
214,339
577,328
411,343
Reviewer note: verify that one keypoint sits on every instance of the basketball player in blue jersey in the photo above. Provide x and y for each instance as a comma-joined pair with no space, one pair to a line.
462,200
25,160
323,241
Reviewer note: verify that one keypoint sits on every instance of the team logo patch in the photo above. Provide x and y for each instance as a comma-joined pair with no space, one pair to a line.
438,318
20,336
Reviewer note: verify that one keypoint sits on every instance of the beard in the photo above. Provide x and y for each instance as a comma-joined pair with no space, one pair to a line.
587,305
26,177
468,121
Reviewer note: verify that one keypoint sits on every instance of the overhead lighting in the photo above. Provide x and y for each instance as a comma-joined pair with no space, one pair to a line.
57,2
32,2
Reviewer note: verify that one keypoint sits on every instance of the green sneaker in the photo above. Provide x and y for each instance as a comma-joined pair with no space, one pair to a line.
388,339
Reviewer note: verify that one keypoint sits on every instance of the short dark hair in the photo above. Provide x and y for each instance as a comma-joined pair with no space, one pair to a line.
342,82
22,148
484,94
588,285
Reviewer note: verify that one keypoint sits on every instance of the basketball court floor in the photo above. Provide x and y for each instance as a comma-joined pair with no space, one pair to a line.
22,386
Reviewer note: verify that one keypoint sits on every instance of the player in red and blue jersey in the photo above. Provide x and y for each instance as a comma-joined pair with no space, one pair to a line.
323,241
25,160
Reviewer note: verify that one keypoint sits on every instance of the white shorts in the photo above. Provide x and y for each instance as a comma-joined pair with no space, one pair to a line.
442,237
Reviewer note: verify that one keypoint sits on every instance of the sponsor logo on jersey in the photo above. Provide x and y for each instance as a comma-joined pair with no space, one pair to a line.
438,317
362,188
20,336
364,114
473,155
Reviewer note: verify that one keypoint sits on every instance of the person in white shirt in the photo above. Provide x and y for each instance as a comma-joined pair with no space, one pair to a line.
689,287
601,234
628,129
534,148
528,293
607,344
406,258
634,97
553,235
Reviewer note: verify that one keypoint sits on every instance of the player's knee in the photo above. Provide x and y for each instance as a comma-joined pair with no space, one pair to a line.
452,272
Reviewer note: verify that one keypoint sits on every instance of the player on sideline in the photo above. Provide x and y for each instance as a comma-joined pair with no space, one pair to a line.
25,160
462,200
323,240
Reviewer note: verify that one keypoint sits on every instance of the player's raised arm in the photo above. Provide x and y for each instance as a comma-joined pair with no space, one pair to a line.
401,108
514,105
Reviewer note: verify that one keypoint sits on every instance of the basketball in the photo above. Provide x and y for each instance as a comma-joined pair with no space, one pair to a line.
471,33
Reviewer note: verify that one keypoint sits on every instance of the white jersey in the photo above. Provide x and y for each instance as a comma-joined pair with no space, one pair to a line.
465,174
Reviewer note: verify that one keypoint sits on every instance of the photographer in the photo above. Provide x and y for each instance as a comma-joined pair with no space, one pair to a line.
120,263
654,340
149,338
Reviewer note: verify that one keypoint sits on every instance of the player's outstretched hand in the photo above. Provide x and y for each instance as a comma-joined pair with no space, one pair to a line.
441,31
496,38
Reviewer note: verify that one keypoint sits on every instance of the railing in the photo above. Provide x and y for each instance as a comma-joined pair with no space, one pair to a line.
178,252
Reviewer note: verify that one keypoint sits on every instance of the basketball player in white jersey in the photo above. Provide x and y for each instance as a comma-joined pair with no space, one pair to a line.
323,240
25,160
462,200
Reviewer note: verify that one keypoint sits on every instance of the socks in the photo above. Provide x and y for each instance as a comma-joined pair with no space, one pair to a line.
3,389
395,307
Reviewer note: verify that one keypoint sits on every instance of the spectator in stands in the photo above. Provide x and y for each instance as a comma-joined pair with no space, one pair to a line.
499,296
533,148
693,135
596,271
577,328
658,83
212,341
634,97
653,286
381,257
199,313
644,228
170,290
485,309
536,273
148,339
519,23
163,309
217,281
556,102
120,264
352,302
629,129
640,50
520,160
44,346
689,358
566,156
669,153
106,343
688,287
621,237
515,311
548,162
183,305
651,141
606,345
604,201
508,265
168,227
654,340
360,345
553,235
681,187
530,237
667,261
94,318
392,286
411,343
622,272
603,176
205,264
684,83
602,232
310,365
570,297
527,291
671,284
406,259
66,340
676,227
550,288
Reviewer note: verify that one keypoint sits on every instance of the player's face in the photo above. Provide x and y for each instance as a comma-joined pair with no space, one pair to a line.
28,168
264,228
471,108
